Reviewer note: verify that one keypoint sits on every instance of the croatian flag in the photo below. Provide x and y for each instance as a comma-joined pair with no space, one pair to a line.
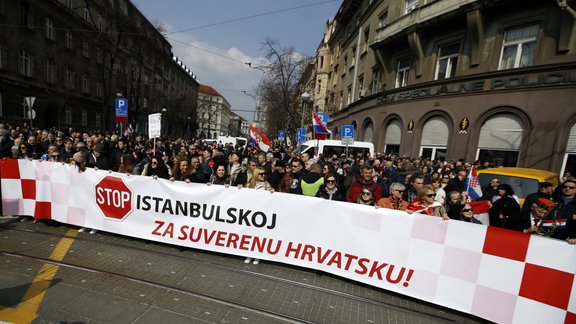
319,126
480,210
261,140
129,130
473,185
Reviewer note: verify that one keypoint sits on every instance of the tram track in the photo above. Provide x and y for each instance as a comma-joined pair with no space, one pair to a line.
224,267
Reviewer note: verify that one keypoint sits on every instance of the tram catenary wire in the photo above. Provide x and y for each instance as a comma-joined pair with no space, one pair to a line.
264,276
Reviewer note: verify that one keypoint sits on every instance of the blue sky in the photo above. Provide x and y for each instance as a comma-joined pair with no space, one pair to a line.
214,38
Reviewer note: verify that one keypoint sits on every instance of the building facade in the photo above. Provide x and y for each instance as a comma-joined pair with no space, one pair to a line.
473,79
213,113
75,57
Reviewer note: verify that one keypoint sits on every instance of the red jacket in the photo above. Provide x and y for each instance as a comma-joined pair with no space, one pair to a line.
356,189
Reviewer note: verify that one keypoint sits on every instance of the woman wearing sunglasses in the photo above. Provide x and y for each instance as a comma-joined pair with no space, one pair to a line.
467,215
426,203
330,189
366,197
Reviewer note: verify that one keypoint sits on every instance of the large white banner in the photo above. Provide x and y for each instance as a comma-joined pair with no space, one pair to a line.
500,275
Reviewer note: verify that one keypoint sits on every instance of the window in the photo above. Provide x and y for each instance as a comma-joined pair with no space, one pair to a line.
319,87
49,70
519,47
85,83
403,70
447,61
361,90
85,49
383,20
68,116
411,5
86,13
69,40
70,79
366,40
84,117
49,28
99,89
70,3
25,14
99,55
374,84
97,120
25,62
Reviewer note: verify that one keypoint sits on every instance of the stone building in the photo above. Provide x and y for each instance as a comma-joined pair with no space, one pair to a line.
449,79
75,57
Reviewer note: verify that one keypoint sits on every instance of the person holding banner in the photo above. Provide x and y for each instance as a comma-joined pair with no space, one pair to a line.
467,215
395,200
182,171
427,204
330,190
258,182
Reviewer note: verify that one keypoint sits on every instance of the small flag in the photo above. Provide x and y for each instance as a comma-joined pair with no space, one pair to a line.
129,130
261,140
319,126
480,210
473,185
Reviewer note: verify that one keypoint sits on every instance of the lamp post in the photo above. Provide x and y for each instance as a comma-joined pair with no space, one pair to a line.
188,125
305,97
164,110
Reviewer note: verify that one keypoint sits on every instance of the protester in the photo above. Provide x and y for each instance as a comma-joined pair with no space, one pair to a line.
467,215
394,201
505,211
329,190
427,204
366,197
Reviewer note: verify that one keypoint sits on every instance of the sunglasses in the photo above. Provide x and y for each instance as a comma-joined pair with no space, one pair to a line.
154,162
467,210
400,191
366,193
261,174
295,166
431,195
568,187
330,181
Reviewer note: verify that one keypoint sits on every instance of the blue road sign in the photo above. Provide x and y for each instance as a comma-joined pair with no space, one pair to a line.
347,131
301,135
121,110
281,134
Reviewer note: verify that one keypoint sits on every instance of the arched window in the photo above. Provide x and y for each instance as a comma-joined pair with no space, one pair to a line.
435,135
368,131
393,136
500,139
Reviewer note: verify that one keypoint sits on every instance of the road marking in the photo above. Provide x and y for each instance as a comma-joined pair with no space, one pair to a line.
26,310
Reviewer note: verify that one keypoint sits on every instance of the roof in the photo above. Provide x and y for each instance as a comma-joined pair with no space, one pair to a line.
206,89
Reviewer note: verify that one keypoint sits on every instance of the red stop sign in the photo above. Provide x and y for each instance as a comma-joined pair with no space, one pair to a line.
113,197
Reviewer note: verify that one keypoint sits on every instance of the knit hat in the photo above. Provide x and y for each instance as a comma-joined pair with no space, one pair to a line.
545,203
78,158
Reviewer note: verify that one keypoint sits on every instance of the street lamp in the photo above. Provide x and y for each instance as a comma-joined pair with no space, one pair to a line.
188,125
305,97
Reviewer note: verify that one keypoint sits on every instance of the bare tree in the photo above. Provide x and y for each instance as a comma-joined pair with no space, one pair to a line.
279,92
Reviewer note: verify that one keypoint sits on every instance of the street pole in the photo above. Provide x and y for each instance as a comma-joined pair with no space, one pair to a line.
305,97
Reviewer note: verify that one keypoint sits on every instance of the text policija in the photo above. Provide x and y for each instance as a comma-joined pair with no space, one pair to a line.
231,215
306,252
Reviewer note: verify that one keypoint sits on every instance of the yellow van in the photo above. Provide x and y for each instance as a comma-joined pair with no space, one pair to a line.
524,181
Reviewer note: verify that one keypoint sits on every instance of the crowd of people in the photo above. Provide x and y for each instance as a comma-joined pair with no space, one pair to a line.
415,185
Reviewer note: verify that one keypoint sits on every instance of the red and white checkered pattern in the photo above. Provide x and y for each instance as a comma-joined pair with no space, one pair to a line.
497,274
